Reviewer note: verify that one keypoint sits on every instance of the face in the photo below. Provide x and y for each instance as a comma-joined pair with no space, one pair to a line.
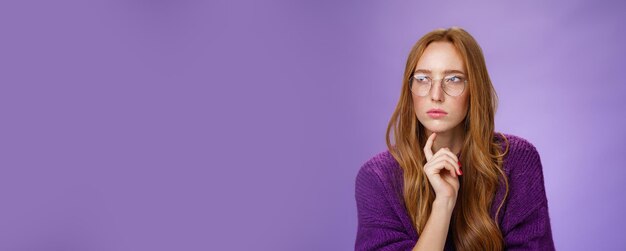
441,60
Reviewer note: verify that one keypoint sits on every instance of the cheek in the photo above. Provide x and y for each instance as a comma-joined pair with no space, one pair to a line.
463,102
418,104
418,107
462,105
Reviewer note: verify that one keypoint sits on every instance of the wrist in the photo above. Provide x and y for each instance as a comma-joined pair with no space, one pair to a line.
445,203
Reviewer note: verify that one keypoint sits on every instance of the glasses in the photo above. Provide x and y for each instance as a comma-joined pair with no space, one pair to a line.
452,85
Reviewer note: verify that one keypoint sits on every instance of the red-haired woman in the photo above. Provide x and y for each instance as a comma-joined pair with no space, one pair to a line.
449,181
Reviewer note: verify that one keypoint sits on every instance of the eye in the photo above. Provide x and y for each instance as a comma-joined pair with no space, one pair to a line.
421,78
454,79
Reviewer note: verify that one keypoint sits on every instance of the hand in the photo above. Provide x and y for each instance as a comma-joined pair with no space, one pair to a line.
442,169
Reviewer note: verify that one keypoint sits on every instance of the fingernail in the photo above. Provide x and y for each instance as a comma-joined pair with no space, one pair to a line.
460,171
459,163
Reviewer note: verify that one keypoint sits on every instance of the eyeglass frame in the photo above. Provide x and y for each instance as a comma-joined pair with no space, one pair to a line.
440,83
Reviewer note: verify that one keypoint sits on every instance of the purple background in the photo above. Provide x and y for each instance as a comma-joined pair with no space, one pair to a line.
187,125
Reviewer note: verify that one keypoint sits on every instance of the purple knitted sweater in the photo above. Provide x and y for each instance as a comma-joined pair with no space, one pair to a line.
383,222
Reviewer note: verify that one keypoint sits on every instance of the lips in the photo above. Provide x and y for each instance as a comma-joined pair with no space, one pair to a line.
436,111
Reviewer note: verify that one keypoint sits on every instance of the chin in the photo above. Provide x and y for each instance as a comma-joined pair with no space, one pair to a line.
437,128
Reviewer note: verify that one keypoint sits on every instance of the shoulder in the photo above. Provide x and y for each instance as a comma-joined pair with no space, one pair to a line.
523,166
526,181
381,164
520,150
524,169
516,143
381,170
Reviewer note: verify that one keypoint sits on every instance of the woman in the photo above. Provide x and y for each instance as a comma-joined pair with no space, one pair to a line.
449,181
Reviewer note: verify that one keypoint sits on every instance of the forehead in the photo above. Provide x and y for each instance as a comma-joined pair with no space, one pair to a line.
439,57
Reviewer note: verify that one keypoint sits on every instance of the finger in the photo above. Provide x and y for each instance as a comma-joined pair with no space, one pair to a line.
447,152
436,166
447,164
453,181
428,151
442,156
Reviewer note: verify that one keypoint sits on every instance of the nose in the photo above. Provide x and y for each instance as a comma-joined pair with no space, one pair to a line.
436,91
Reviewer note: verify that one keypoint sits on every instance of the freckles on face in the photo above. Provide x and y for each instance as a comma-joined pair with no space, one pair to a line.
440,60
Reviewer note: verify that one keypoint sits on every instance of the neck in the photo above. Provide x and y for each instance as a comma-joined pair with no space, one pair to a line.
452,139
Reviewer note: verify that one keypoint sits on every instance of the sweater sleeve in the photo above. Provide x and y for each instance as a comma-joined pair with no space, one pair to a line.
529,228
379,228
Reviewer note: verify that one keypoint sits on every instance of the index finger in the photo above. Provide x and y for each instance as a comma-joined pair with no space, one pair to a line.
428,151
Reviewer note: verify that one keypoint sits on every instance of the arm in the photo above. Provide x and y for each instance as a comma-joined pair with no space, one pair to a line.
380,228
529,227
532,233
436,230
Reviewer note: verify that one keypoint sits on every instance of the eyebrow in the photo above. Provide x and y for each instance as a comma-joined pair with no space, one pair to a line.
444,72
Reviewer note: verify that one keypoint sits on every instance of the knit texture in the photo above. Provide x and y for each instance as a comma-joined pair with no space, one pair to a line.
384,224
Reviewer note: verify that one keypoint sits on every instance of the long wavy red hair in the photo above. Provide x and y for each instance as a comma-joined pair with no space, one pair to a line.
481,156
